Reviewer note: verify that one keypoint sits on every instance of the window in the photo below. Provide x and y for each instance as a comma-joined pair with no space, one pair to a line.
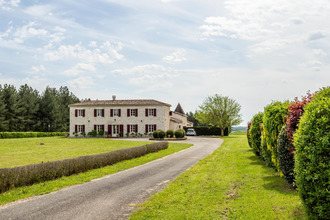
116,112
98,127
132,128
80,112
150,128
80,128
133,112
150,112
99,112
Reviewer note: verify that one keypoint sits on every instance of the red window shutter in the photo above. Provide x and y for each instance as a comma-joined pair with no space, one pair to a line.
102,127
136,128
84,113
155,127
136,112
95,127
128,112
170,112
75,128
111,112
95,113
128,129
76,112
147,112
83,128
147,129
155,112
102,112
119,113
110,129
121,130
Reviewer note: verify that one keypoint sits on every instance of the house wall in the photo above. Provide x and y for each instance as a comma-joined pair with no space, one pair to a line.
175,125
161,119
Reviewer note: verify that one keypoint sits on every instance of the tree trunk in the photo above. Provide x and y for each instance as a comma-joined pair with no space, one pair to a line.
222,132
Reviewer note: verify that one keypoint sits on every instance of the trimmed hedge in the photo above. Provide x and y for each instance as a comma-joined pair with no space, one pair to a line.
285,156
312,166
273,120
248,133
255,133
5,135
30,174
169,133
201,131
180,133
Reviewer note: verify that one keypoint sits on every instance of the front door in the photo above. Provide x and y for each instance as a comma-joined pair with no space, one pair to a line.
115,130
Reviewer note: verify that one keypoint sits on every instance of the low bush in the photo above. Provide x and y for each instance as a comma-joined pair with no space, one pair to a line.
5,135
180,133
30,174
101,132
285,156
161,134
312,167
170,133
155,134
255,133
92,133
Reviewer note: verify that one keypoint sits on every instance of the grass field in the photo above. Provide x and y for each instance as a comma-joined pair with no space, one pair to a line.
23,151
88,146
232,183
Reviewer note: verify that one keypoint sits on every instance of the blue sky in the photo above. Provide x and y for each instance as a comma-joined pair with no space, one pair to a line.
169,50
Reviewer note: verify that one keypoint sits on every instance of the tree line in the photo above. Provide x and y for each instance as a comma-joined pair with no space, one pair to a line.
26,109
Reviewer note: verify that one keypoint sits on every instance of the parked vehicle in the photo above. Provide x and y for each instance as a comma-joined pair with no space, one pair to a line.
191,132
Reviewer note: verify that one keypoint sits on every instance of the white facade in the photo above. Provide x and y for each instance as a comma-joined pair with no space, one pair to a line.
118,117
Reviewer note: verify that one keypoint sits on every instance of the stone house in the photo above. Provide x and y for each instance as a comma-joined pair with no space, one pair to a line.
118,117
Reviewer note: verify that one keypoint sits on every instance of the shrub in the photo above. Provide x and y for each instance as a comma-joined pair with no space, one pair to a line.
170,133
273,120
161,134
265,152
255,133
312,167
30,174
180,133
248,133
101,132
155,134
286,158
92,133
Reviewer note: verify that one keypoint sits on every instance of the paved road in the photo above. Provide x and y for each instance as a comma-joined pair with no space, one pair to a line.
113,196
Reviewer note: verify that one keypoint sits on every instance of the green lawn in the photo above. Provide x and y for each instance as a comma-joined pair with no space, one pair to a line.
90,146
23,151
232,183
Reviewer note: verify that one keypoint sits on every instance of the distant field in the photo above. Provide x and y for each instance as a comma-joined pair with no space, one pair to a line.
23,151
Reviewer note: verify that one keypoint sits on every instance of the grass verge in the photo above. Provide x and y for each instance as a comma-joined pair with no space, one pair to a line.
232,183
24,151
51,186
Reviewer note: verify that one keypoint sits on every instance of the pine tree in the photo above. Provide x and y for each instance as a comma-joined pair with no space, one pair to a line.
11,116
2,110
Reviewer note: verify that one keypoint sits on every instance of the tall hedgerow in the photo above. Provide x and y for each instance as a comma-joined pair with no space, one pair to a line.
248,133
255,133
273,120
286,148
312,167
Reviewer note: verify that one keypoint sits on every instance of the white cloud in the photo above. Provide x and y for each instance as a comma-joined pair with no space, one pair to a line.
80,68
82,82
106,53
37,69
269,25
176,57
147,75
29,31
9,4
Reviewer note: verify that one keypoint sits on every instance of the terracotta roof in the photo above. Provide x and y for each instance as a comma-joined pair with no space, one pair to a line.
135,102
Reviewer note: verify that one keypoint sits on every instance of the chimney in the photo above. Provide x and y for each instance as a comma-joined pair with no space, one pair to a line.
113,98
